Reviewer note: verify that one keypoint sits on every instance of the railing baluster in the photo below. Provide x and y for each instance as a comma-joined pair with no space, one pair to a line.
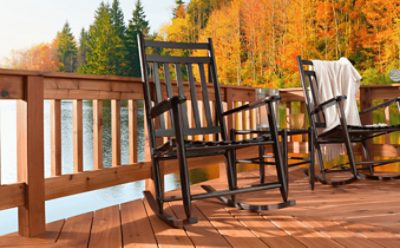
97,134
288,112
303,111
132,125
78,135
246,121
55,137
116,132
253,122
387,121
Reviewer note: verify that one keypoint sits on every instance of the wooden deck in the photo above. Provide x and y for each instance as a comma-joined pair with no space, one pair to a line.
364,214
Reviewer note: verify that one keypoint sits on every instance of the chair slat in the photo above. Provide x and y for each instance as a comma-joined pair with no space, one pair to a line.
192,87
177,59
167,75
206,101
159,98
189,131
181,92
176,45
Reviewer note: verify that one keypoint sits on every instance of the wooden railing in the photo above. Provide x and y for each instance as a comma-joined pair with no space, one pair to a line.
31,89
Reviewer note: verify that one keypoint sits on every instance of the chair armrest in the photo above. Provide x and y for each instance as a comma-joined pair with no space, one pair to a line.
166,105
328,103
252,105
382,105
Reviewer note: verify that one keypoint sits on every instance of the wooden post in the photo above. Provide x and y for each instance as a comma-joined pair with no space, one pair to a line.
97,134
115,132
30,157
78,135
55,137
132,120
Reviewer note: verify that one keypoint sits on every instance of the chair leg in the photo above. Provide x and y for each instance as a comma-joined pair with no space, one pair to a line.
285,156
350,153
231,171
311,151
317,146
158,201
261,152
280,167
158,186
156,204
367,157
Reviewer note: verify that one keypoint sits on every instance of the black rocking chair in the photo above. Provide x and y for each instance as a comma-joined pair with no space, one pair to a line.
174,131
343,133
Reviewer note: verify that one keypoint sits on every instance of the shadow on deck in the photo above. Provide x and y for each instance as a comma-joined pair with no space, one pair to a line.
364,214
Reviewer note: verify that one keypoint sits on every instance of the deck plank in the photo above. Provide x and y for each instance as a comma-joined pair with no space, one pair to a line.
305,234
47,239
136,227
76,231
336,231
363,214
234,232
165,235
203,233
106,229
269,233
375,234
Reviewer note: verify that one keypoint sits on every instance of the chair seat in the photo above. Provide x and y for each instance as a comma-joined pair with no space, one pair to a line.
358,133
208,148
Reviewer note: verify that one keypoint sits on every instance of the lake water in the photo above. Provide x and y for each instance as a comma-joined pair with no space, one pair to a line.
81,203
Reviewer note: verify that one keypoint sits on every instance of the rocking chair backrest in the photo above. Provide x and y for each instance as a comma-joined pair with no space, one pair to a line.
309,84
165,76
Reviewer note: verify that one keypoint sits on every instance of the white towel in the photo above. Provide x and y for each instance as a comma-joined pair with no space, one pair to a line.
337,78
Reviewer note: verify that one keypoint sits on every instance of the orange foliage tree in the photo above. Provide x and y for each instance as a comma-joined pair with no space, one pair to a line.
257,41
41,57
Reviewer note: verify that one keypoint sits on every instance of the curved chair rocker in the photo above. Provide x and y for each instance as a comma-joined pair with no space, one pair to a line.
176,132
342,133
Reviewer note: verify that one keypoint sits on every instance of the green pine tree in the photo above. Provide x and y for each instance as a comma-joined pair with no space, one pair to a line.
83,48
103,44
137,24
117,21
67,51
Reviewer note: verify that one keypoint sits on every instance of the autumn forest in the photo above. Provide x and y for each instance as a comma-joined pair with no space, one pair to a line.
256,41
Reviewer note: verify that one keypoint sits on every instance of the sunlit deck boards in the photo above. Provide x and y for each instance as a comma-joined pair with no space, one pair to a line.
364,214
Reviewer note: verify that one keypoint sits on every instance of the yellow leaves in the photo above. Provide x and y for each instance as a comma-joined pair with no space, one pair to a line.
256,41
224,28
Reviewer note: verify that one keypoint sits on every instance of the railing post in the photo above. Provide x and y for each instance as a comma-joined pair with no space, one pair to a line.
30,149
